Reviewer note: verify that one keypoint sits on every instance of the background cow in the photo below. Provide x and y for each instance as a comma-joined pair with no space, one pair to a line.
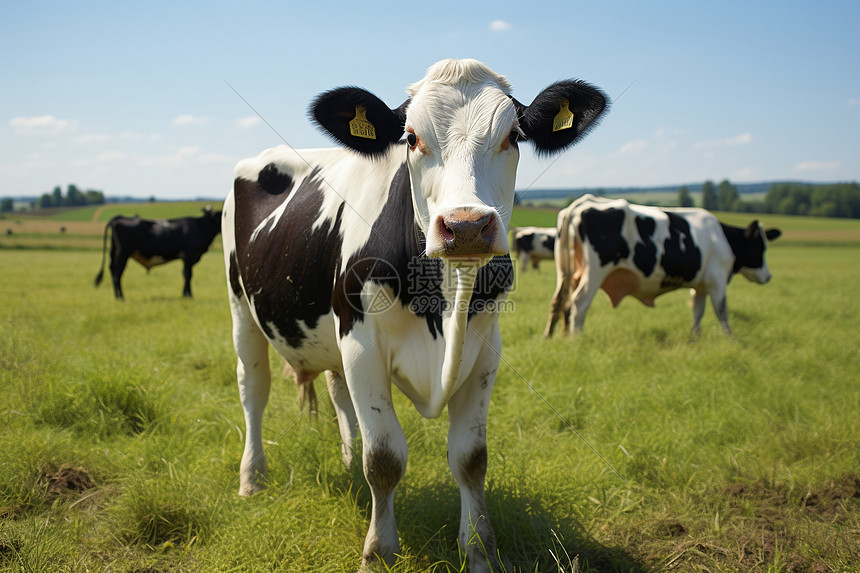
154,243
534,244
628,249
383,262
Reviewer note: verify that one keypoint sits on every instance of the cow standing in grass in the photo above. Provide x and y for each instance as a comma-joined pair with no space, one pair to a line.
534,244
157,242
643,252
385,262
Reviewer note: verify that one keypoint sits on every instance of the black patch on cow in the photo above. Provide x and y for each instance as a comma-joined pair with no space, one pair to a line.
602,229
288,272
233,273
493,279
645,251
272,181
524,242
391,257
473,468
747,245
549,243
681,259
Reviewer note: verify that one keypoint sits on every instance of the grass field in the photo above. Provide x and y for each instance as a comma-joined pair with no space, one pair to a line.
632,448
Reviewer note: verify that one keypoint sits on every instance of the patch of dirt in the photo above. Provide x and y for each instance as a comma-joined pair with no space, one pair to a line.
68,479
759,526
822,501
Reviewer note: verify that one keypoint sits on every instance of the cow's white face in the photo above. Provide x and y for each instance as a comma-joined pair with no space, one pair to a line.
462,162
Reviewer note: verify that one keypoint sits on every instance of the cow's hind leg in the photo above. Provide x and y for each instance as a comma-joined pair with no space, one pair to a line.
118,261
699,300
558,305
467,458
252,370
384,450
346,420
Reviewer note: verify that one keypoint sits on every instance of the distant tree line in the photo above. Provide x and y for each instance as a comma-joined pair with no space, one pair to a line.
830,200
74,197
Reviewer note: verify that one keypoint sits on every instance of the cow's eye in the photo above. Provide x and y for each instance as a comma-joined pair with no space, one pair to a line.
411,139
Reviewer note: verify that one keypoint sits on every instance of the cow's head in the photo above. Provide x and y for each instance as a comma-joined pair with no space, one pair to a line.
462,129
751,262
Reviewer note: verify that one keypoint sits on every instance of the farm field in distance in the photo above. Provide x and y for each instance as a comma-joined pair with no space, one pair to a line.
630,448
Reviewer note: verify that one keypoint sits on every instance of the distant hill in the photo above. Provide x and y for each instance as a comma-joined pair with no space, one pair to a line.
694,188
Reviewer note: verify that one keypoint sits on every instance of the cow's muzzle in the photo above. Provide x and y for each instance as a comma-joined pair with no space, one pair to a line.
466,232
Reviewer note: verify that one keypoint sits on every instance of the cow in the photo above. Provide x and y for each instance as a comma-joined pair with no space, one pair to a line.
157,242
534,244
628,249
386,262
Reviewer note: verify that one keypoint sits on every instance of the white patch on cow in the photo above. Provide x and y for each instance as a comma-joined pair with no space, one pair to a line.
345,180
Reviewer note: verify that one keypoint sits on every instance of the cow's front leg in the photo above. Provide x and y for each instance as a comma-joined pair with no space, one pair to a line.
384,449
186,273
467,458
254,377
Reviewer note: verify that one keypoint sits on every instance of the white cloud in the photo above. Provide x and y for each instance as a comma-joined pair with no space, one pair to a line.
189,120
93,138
179,158
248,122
112,156
817,166
741,139
634,147
500,26
42,124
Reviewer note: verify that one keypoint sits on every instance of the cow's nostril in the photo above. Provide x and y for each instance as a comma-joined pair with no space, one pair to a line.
446,231
488,229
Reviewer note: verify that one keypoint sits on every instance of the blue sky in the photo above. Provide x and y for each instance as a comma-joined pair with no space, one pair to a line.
133,98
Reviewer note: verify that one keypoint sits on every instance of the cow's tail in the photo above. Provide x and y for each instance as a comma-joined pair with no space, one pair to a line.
101,274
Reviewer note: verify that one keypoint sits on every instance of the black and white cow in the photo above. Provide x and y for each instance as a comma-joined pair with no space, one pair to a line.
384,263
628,249
157,242
534,244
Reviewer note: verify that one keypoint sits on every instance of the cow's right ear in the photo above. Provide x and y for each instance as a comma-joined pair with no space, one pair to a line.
358,119
561,115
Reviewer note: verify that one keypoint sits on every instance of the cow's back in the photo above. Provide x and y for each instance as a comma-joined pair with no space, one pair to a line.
646,251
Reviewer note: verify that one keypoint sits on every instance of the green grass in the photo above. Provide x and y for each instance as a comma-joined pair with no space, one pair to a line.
632,448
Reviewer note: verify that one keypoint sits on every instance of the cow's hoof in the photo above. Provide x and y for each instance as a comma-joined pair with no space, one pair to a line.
249,489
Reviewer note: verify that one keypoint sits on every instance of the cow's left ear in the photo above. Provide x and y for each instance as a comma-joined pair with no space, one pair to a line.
772,234
561,115
358,119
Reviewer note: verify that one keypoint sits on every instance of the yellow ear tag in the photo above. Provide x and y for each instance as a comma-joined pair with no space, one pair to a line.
359,126
564,118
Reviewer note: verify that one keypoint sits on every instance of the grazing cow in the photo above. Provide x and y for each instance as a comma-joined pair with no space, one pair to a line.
154,243
628,249
534,244
386,263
